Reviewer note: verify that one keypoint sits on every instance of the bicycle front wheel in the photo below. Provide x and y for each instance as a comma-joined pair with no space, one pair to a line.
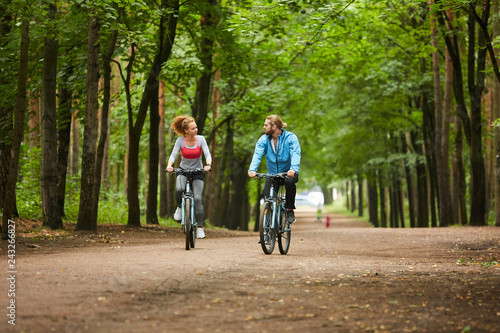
192,239
284,233
267,233
187,222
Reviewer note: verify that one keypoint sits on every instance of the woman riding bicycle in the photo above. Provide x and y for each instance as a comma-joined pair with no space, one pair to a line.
191,147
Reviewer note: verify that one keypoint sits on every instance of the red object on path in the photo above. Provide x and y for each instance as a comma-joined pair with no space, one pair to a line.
328,221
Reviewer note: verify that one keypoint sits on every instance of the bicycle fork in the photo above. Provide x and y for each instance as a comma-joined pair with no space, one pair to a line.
187,194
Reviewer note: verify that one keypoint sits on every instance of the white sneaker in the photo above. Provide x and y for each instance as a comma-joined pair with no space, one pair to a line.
200,233
178,214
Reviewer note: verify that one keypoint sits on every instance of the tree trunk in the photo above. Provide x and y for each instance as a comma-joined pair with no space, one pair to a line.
256,208
423,201
401,205
489,148
223,179
86,219
171,204
445,212
393,210
472,126
238,204
10,187
496,114
327,194
75,144
409,182
476,87
210,180
162,152
433,189
34,120
460,171
360,195
125,159
383,199
64,135
429,153
347,201
51,217
399,219
6,111
458,84
373,200
154,122
353,196
445,139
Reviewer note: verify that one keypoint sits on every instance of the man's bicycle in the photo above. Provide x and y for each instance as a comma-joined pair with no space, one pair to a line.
272,222
189,224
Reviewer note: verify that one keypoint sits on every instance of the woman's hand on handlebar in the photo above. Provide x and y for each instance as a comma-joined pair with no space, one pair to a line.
170,169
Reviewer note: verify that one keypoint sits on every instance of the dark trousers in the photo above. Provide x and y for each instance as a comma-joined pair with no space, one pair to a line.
291,189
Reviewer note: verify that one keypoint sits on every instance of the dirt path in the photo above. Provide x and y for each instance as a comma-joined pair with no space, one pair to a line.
346,278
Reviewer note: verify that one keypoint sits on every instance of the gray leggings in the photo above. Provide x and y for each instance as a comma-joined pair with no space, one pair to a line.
197,188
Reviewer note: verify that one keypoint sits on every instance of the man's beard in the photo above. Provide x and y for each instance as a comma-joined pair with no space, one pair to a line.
269,132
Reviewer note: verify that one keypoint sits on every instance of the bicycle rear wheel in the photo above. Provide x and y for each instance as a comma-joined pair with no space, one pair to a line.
187,222
267,234
284,233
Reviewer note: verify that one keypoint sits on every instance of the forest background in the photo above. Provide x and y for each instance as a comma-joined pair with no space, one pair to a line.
395,103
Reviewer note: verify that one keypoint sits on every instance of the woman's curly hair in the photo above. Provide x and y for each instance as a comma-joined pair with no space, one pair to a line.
180,124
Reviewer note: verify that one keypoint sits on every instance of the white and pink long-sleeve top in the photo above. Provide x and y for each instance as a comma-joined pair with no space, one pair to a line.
191,157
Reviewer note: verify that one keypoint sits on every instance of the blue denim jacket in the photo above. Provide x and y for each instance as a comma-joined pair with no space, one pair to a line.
287,156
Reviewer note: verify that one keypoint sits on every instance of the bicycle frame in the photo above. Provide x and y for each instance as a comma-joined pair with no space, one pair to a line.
188,195
277,202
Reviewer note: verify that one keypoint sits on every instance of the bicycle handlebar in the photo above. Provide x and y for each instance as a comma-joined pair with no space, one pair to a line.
266,175
188,172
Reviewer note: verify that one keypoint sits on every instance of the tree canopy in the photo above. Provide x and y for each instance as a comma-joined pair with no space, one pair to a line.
354,80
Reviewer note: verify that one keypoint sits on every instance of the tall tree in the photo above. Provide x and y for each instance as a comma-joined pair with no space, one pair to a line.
476,82
472,125
10,188
63,135
6,109
51,213
106,104
162,152
154,124
445,211
86,218
496,115
167,33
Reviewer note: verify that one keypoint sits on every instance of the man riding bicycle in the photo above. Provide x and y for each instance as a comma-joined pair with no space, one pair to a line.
282,151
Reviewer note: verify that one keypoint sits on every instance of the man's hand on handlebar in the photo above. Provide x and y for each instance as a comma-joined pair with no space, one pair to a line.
252,174
290,173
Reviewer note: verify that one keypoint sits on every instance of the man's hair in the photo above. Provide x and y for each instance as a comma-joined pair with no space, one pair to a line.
276,120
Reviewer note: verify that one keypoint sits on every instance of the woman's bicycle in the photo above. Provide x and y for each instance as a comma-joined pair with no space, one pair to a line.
189,224
272,221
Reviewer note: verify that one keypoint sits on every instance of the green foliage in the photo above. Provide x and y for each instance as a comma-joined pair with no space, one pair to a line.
345,75
484,264
28,185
